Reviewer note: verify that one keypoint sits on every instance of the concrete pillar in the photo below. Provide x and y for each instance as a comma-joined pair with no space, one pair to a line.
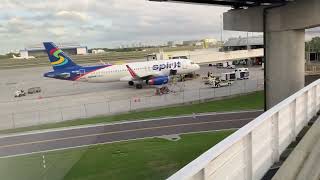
284,41
285,61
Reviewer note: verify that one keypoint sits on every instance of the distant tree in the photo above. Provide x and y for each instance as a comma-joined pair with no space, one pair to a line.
8,55
313,45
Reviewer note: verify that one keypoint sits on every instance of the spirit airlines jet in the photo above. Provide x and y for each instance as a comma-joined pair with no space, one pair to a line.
136,74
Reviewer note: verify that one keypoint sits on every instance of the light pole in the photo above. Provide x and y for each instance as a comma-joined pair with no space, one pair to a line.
221,34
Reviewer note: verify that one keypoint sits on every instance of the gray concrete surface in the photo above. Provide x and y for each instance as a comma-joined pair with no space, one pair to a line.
31,142
304,161
250,20
65,100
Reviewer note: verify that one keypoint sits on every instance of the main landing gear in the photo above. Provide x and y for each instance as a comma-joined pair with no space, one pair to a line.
137,85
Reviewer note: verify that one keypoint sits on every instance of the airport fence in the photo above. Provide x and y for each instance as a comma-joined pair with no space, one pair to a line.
109,107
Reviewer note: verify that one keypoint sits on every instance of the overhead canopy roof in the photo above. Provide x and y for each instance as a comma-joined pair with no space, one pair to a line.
232,3
244,41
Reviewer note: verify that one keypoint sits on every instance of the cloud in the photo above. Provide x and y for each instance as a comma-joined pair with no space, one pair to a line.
58,31
72,15
105,22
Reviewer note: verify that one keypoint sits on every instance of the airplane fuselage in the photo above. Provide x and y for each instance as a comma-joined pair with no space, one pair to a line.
112,73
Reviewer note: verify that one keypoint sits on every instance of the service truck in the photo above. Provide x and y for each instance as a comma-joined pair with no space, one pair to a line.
229,76
242,73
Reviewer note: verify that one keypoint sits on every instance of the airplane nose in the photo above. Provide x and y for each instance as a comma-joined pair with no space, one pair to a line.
197,67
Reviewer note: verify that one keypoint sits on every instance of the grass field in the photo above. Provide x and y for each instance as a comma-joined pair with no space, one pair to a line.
153,158
246,102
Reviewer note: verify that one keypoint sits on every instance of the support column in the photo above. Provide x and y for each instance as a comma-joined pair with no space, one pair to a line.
285,63
285,46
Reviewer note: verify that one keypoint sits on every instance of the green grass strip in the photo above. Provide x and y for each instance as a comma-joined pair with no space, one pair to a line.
153,158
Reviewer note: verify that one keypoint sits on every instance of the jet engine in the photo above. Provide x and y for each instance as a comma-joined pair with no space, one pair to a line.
158,80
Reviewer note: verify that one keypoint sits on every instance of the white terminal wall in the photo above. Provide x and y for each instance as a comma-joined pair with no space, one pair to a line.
24,54
82,51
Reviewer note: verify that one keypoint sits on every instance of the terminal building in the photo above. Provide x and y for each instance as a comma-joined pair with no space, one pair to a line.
243,43
39,51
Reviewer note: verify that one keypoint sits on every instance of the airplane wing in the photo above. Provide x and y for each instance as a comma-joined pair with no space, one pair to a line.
134,76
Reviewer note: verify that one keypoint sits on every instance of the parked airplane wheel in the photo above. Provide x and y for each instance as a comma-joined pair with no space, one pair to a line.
139,86
131,83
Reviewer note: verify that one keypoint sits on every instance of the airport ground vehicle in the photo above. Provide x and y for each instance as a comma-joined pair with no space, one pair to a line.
237,74
216,82
34,90
240,62
229,76
242,73
221,83
209,78
231,66
162,90
20,93
227,65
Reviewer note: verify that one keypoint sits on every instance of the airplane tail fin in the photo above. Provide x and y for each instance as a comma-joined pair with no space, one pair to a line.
58,59
132,73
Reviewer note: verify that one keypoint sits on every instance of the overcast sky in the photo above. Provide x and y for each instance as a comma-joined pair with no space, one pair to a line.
105,23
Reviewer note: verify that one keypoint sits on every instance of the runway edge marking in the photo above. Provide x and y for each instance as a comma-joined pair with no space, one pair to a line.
88,145
120,122
121,131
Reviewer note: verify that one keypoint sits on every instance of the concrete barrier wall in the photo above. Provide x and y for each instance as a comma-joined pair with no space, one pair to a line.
252,150
104,107
303,163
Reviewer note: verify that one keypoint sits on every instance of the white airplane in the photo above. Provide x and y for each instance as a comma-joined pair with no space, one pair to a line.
136,74
19,57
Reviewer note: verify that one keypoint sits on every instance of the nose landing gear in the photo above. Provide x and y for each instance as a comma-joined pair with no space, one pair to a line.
131,83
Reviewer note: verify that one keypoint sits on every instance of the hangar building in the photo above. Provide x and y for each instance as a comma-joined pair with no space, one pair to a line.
39,51
242,43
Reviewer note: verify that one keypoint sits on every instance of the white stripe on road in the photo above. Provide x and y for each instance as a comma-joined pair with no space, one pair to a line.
88,145
121,122
121,131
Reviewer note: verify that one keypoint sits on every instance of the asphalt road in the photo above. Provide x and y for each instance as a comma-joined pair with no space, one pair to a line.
19,144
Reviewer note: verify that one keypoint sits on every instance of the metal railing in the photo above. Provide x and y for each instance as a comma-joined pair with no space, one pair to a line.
253,149
312,68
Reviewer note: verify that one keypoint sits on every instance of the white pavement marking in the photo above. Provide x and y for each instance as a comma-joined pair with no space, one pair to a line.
121,122
121,131
134,139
